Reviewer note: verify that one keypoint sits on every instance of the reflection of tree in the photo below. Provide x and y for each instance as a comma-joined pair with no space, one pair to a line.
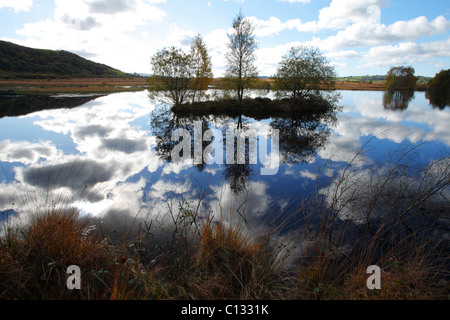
301,136
397,99
163,123
237,175
438,90
436,100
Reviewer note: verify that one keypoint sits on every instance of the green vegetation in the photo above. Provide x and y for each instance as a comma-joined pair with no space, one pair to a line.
401,78
18,62
179,77
172,75
438,89
241,70
367,78
202,67
300,77
303,72
400,86
257,108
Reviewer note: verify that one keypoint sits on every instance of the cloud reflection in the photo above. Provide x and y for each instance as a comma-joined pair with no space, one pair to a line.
117,169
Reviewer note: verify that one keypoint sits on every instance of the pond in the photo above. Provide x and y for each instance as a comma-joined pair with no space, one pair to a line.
110,156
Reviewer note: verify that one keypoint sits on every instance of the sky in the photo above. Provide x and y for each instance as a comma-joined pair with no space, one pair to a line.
359,37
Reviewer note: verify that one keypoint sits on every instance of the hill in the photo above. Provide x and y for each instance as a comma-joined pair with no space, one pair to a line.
377,78
19,62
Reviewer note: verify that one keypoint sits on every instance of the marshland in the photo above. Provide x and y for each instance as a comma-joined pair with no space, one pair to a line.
179,185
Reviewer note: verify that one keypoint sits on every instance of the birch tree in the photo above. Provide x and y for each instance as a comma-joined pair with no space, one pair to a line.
241,69
201,69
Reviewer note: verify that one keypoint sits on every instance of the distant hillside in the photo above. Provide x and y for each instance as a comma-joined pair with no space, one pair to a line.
420,79
23,62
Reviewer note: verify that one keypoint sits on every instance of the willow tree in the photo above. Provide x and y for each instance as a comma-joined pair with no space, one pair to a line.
401,78
241,70
172,73
201,68
303,71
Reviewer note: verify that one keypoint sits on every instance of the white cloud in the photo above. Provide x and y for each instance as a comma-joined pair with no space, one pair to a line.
368,33
340,13
294,1
405,53
118,32
441,65
17,5
273,26
360,26
104,34
343,54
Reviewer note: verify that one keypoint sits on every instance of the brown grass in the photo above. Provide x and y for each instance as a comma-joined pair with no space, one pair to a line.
229,264
86,85
228,261
234,265
89,85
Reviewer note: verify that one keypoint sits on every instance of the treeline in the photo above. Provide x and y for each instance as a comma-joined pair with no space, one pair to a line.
377,78
19,62
438,89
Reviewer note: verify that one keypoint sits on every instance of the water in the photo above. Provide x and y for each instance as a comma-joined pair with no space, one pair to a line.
110,155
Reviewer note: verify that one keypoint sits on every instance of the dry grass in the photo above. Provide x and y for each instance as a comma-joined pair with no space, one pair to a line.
229,264
35,258
94,85
235,265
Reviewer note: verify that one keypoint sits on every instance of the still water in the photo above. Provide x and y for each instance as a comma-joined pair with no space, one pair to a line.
109,156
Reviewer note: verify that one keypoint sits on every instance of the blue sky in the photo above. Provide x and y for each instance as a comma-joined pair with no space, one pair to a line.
359,37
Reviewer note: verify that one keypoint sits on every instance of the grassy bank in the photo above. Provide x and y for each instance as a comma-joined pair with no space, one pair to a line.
221,263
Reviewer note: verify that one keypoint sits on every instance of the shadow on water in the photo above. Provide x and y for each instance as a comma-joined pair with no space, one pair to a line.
13,105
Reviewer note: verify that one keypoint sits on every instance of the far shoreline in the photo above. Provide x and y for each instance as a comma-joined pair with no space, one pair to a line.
126,84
